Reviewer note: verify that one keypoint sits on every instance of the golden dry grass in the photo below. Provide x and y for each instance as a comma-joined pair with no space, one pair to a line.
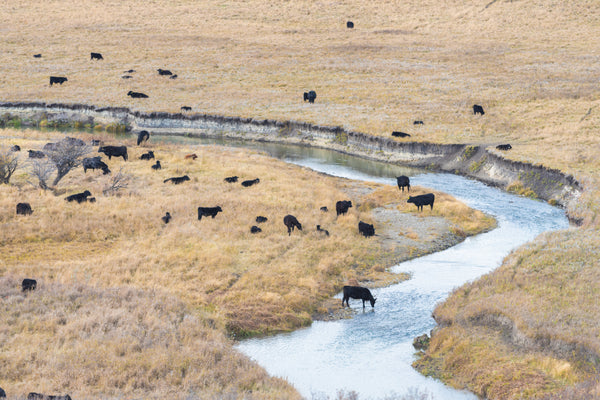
237,283
533,65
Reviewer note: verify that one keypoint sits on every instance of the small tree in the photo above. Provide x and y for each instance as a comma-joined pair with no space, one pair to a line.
119,181
9,161
42,169
66,155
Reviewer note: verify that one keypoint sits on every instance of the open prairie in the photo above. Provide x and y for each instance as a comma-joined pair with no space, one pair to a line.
532,65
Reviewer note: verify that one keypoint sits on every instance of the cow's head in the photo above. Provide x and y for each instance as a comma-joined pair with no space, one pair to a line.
373,301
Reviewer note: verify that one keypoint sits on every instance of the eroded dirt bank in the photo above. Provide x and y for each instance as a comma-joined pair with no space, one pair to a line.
473,161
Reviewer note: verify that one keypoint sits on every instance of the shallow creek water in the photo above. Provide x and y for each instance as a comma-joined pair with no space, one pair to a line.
372,352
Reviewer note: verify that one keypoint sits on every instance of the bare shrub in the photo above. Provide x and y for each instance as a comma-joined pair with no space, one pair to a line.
9,162
119,181
66,155
41,169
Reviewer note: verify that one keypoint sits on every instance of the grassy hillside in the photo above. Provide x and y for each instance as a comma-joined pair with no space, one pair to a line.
532,65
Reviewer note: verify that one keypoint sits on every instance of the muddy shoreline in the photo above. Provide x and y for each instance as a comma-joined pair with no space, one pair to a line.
476,162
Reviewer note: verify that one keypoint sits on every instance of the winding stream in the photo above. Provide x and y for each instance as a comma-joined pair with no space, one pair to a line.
372,353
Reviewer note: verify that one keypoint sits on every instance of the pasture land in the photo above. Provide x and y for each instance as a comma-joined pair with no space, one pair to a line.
532,65
228,282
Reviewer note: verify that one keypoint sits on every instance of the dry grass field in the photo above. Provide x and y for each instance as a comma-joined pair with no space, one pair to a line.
145,294
532,65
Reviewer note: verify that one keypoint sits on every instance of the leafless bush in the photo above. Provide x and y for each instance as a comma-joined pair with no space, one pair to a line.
66,155
42,169
9,162
119,181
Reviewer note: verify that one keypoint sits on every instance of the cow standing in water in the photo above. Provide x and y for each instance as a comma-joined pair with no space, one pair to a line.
358,292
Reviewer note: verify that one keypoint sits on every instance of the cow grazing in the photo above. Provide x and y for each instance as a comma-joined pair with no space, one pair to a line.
40,396
310,96
166,218
24,209
261,219
142,137
250,182
114,151
37,55
290,221
147,156
422,200
208,212
127,77
192,156
91,199
367,230
177,179
95,163
504,147
400,134
325,231
137,95
349,24
358,292
174,76
324,209
417,122
36,154
157,166
231,179
186,108
403,182
255,229
28,284
57,79
165,72
130,71
477,109
2,392
78,197
96,56
342,206
15,147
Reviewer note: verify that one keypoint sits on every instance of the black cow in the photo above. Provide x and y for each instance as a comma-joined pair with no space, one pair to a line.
79,197
39,396
36,154
325,231
95,163
250,182
186,108
164,72
358,292
477,109
400,134
57,79
157,166
261,219
504,147
114,151
24,209
418,122
342,206
310,96
37,55
28,284
147,156
142,136
231,179
349,24
130,71
403,181
324,209
16,147
127,77
2,392
91,199
255,229
166,218
290,221
177,179
137,95
367,230
174,76
96,56
422,200
208,212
